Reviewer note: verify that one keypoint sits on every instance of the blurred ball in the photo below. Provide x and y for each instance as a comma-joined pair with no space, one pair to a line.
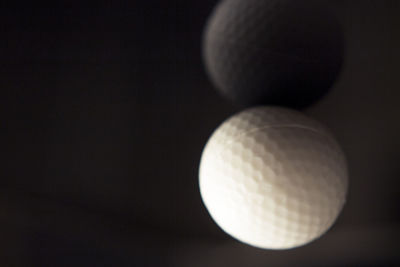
281,52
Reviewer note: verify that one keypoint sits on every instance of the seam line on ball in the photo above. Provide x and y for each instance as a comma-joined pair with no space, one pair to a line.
280,126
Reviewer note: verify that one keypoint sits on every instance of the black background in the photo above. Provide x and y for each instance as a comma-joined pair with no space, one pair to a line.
104,113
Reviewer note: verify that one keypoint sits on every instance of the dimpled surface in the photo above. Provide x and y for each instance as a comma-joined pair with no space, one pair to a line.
273,178
281,52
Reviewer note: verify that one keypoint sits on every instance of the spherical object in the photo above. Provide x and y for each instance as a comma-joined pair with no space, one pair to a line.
273,178
281,52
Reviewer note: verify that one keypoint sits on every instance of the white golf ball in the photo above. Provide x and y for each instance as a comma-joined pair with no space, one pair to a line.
273,178
279,52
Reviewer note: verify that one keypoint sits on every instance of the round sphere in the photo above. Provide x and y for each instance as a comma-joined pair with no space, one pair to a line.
280,52
273,178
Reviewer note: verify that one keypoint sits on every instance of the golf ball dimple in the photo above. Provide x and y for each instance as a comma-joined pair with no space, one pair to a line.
273,178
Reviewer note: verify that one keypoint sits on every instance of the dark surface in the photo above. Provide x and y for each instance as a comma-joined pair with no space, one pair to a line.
104,113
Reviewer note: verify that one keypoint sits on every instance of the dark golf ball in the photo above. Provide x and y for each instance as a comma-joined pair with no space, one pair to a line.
277,52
